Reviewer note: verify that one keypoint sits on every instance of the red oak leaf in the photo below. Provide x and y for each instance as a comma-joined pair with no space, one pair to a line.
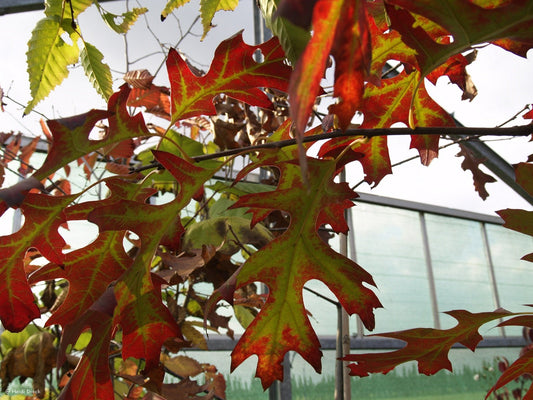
71,135
91,379
43,216
429,347
233,72
467,22
285,265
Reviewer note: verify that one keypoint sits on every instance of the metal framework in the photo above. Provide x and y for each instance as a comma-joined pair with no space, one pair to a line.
18,6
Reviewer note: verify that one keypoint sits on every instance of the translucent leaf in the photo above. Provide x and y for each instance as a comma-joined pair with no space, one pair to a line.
98,73
171,6
123,22
48,57
208,8
57,7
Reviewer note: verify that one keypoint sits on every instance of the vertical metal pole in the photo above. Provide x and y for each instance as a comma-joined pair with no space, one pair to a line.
360,328
273,391
492,273
286,386
342,381
339,364
429,269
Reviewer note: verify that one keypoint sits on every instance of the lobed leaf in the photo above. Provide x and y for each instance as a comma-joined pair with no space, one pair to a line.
471,162
523,365
292,259
233,73
429,347
309,70
91,378
91,269
71,135
352,52
43,216
145,321
467,22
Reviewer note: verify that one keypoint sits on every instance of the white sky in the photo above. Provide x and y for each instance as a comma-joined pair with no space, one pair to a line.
504,81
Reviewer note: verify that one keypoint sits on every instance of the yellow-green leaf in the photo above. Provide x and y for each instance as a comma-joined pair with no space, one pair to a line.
98,73
208,8
11,340
48,57
62,8
123,22
171,5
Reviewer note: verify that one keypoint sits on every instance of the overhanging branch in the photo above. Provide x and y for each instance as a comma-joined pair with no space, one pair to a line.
524,130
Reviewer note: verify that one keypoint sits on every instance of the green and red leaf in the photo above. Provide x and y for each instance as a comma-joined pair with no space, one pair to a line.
43,216
286,264
91,379
467,22
233,73
71,135
429,347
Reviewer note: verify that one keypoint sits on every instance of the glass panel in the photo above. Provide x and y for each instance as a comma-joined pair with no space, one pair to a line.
460,264
507,247
389,245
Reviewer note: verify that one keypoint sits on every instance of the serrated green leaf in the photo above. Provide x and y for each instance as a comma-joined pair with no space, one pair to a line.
208,8
48,57
292,38
98,73
126,20
62,8
171,6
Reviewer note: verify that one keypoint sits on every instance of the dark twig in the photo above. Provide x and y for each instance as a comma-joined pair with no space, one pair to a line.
524,130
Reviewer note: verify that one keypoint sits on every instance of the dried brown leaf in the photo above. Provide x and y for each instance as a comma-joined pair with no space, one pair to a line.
139,79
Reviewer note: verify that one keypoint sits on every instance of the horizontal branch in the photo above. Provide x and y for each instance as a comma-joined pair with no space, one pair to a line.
524,130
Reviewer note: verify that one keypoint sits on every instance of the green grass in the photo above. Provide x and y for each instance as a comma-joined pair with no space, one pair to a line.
393,386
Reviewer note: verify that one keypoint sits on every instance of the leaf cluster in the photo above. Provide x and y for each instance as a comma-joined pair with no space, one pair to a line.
139,287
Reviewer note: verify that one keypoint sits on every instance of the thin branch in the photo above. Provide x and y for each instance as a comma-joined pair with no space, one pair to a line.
524,130
404,161
526,108
178,43
22,105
